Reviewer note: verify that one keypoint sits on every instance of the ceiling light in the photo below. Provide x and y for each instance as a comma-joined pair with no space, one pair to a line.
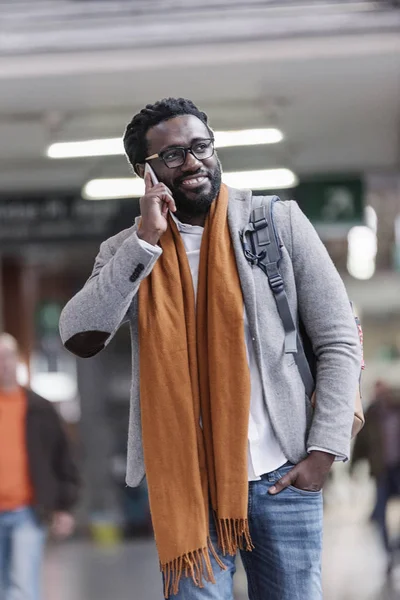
362,250
100,147
115,146
267,179
123,187
247,137
133,187
361,269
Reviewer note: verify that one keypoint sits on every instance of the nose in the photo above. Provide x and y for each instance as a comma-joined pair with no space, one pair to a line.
191,163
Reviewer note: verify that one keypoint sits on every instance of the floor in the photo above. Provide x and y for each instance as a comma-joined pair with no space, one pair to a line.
353,569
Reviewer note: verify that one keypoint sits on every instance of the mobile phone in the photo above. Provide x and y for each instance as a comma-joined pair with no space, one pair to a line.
149,169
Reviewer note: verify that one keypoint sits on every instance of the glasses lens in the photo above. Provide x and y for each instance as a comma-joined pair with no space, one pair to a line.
175,157
203,149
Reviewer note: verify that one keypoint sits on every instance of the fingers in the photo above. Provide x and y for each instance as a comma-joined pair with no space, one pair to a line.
164,209
168,203
282,483
164,195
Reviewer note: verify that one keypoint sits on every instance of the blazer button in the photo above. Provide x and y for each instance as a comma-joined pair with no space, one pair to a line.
136,272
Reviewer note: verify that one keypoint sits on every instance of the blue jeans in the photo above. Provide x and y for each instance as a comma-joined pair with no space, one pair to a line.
22,541
285,564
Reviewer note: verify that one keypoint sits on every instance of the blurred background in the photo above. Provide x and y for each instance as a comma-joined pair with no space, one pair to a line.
305,100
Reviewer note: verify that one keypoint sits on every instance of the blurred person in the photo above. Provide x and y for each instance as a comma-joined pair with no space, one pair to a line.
234,456
38,480
379,444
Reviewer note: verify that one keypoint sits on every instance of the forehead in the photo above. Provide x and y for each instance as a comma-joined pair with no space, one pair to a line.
179,131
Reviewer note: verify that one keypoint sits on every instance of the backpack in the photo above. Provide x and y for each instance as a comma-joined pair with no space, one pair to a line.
262,246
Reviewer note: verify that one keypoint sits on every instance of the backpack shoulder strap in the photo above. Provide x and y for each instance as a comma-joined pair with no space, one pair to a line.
263,247
262,218
264,250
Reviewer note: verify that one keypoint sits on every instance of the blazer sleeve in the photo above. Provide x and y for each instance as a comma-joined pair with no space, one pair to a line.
328,318
92,317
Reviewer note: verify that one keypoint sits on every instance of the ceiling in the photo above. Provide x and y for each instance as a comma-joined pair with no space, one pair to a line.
327,74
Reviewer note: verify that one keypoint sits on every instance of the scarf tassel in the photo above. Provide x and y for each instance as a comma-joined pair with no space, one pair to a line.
196,564
233,535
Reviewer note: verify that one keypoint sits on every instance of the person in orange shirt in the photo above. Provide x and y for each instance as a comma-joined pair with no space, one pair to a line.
39,481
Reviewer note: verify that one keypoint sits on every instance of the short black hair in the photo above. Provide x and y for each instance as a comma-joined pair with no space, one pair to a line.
163,110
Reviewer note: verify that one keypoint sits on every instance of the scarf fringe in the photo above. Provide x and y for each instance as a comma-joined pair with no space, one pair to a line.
233,535
196,564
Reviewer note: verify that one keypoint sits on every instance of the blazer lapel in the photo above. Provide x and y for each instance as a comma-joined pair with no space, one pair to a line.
239,209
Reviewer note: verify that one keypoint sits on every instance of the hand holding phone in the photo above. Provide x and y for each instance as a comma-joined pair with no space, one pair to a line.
154,206
148,170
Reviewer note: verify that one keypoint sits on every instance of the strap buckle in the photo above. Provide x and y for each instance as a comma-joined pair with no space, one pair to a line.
245,237
276,282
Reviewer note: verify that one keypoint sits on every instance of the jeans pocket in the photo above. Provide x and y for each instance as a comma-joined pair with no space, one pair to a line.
304,492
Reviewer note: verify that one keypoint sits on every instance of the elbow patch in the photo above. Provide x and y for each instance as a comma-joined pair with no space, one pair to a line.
87,343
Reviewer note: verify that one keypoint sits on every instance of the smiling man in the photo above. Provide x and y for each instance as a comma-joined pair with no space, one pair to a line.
234,455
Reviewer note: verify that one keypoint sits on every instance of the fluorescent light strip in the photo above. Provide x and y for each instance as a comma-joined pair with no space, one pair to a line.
114,146
100,147
267,179
107,189
133,187
247,137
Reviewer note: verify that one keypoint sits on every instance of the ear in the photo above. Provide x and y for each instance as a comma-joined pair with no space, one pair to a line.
139,169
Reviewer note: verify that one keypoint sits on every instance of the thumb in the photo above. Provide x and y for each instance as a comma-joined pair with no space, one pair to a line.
282,483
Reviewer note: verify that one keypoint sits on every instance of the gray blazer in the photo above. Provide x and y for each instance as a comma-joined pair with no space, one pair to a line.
314,288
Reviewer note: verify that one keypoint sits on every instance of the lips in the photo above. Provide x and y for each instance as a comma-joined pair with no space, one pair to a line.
193,182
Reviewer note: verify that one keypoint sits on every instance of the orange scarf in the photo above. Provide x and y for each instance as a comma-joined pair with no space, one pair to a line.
195,398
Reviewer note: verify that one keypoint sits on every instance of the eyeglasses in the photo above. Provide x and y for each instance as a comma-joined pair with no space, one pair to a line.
176,156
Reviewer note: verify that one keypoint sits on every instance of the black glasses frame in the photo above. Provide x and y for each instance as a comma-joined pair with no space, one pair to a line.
185,150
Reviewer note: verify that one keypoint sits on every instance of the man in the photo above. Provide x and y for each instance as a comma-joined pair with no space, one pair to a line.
234,456
379,444
38,480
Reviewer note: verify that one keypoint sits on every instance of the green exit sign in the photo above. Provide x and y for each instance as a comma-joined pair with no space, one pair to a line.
332,202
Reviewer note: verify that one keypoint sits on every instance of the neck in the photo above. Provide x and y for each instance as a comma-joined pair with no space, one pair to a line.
199,220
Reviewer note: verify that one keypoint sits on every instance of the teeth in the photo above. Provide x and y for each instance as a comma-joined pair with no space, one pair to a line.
194,181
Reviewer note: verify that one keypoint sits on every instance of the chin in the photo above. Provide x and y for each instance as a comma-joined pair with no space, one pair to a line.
198,200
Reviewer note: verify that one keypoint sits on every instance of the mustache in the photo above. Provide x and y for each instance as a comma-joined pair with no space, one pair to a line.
198,173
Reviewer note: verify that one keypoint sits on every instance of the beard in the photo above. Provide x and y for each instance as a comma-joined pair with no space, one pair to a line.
198,204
